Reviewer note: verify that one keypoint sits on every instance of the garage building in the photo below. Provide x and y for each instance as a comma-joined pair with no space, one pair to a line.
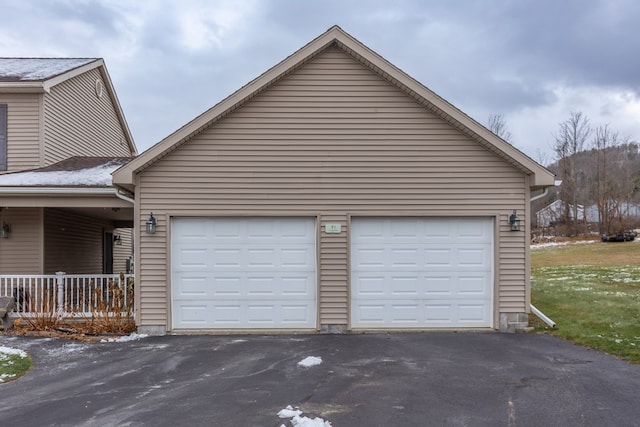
333,193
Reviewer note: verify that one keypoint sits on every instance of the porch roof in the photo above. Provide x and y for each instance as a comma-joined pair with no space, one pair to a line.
78,182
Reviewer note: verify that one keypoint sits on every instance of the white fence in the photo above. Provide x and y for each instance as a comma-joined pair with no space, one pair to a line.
79,294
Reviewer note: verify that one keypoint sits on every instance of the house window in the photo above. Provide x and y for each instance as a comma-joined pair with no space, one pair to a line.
3,137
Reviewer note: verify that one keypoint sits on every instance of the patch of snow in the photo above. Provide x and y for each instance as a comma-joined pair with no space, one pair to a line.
289,412
12,351
96,176
310,361
298,421
131,337
552,244
5,352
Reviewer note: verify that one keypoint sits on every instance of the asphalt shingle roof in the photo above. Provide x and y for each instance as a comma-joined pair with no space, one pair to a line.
37,69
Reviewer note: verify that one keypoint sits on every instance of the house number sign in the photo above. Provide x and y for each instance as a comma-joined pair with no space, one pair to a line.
332,228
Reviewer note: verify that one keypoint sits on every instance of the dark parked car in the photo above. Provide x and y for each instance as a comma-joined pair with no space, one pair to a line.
626,236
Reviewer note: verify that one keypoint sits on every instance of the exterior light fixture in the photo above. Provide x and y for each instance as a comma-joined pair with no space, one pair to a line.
151,224
117,239
514,221
4,231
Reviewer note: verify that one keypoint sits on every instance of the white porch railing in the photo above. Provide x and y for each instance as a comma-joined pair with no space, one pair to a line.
75,294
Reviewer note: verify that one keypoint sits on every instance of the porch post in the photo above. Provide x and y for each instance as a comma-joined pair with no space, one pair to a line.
60,283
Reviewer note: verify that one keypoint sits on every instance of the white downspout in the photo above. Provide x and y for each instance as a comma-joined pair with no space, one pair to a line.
542,316
125,198
545,192
534,310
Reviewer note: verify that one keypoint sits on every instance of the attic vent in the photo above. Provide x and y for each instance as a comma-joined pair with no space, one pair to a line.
99,88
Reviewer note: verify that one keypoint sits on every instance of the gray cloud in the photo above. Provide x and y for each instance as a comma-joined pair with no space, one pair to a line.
528,60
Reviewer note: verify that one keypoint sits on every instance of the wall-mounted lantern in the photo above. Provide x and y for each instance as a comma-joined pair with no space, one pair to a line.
117,239
5,230
151,224
514,221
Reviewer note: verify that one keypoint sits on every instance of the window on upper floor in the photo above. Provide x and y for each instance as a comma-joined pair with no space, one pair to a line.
3,137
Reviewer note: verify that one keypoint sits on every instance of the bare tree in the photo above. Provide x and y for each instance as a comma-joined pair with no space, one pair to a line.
498,125
570,140
542,157
614,180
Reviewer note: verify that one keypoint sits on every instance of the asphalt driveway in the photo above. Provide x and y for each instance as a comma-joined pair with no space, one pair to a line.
421,379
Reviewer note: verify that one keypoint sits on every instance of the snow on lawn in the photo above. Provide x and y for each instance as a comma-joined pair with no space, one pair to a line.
297,420
552,244
5,352
13,351
132,337
310,361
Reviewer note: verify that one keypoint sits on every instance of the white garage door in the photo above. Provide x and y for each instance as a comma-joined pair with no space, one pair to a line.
244,273
421,272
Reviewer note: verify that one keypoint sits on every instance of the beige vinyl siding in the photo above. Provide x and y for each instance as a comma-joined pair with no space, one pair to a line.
334,140
73,242
23,130
334,268
21,252
79,123
122,252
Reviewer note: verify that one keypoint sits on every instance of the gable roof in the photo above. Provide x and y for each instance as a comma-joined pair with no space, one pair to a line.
39,75
540,176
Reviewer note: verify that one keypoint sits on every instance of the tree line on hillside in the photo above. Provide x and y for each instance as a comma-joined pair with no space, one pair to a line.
600,174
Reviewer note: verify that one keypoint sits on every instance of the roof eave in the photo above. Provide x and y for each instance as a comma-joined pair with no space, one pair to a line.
44,189
22,87
108,197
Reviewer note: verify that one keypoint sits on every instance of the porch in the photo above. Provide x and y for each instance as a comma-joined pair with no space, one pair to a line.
69,295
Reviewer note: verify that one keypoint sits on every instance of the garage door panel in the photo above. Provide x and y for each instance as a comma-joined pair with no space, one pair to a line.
438,285
409,314
472,285
248,273
193,286
194,314
439,277
472,312
239,314
223,286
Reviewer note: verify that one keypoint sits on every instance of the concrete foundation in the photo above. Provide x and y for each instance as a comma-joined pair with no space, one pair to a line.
152,330
514,322
333,329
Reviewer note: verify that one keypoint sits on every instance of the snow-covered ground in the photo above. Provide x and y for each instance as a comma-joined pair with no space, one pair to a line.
5,352
551,244
295,415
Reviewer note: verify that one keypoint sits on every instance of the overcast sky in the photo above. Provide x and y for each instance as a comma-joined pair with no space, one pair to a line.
531,61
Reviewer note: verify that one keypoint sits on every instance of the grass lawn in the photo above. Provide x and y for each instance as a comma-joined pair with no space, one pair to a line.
13,364
592,292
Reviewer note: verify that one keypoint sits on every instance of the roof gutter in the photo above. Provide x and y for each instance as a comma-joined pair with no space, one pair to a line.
23,87
556,183
106,191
